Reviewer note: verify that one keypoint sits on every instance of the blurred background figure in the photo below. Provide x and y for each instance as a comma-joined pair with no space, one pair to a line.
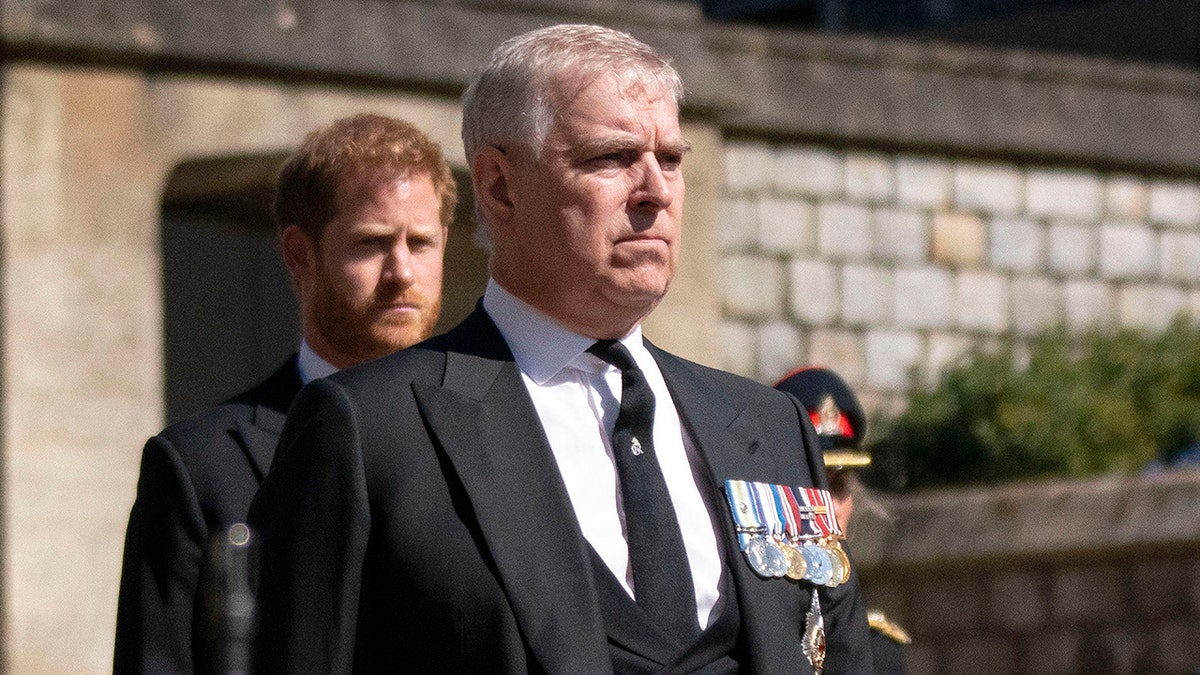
841,426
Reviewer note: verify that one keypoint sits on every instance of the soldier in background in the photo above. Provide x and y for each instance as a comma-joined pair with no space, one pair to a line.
841,426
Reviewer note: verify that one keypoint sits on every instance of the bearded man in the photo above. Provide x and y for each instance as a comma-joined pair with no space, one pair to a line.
363,209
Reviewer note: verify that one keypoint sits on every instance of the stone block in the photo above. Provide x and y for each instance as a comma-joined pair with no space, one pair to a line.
840,351
1072,248
1089,304
1154,585
786,226
869,177
737,230
1177,645
814,297
1017,245
994,189
1175,202
866,295
752,286
1064,193
901,236
1115,648
958,239
891,356
1051,653
1094,594
1036,304
924,297
844,231
809,171
981,301
748,167
1128,251
923,182
982,655
1125,198
948,604
779,351
945,350
1016,601
1180,256
1150,306
738,347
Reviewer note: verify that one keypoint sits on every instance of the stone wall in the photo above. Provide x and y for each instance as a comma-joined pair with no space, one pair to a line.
1056,577
874,263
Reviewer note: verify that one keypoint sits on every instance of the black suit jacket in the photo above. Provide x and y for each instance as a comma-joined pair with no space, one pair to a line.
197,478
414,520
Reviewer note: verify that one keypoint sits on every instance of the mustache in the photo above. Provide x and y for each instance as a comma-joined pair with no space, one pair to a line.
389,296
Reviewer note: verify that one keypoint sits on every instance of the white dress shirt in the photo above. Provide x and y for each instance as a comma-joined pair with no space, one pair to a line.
312,366
577,397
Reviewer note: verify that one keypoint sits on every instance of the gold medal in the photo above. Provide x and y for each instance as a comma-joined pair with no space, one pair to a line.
836,566
797,566
842,562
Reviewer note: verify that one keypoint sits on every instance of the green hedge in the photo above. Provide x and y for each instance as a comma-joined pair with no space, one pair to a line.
1061,405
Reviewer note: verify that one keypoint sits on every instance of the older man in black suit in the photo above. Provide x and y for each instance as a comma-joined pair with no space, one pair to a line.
363,209
538,490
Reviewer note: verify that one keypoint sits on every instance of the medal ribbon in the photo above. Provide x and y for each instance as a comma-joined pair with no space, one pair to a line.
820,505
768,507
747,513
788,510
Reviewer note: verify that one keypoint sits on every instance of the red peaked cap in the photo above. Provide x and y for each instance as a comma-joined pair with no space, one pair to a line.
812,385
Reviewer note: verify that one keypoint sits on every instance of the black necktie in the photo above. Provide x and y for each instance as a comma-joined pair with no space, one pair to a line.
662,579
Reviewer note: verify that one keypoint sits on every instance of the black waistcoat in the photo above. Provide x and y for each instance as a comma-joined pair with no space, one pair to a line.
637,647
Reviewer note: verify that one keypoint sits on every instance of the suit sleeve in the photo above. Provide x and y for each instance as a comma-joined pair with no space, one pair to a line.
312,519
847,634
164,546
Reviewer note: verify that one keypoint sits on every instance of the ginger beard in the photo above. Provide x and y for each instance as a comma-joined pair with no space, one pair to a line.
371,328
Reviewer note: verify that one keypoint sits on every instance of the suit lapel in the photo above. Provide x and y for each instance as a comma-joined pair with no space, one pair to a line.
485,422
728,440
259,433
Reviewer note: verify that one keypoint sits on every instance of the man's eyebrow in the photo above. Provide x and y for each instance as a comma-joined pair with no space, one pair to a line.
629,142
681,147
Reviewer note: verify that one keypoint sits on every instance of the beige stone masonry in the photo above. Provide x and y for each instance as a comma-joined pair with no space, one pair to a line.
958,239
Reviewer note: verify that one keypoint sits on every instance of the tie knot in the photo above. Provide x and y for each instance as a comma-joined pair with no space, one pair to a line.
614,353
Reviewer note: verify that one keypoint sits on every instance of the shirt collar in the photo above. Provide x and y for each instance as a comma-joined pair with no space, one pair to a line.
312,366
541,346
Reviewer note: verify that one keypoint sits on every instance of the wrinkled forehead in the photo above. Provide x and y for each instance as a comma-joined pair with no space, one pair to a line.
631,80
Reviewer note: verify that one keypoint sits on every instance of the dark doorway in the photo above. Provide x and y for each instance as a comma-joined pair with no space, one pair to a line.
229,316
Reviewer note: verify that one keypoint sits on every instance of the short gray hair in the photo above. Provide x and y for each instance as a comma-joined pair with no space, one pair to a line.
510,101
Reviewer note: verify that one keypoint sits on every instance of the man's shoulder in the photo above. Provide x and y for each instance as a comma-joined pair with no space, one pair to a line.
213,425
733,386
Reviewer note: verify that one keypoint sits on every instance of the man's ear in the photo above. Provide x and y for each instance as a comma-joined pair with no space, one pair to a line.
299,254
491,173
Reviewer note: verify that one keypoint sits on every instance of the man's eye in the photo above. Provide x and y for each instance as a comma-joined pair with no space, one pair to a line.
670,162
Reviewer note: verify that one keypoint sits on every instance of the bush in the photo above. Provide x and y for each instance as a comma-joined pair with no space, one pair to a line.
1063,405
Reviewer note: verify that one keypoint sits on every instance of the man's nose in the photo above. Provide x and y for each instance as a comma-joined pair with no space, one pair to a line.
654,190
398,267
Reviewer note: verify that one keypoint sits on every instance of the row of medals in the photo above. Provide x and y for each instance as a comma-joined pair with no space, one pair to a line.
821,561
